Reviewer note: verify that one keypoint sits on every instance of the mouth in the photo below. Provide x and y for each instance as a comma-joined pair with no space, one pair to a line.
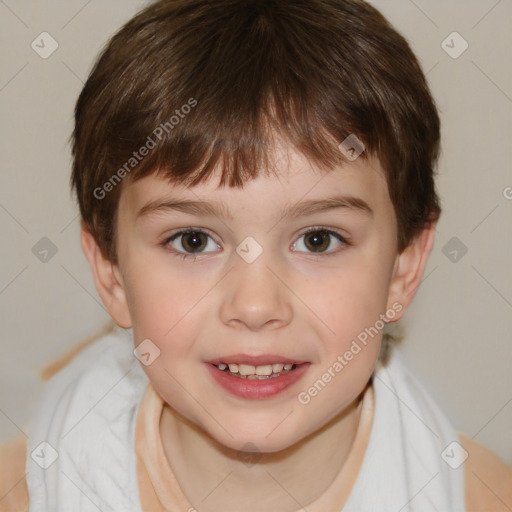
256,377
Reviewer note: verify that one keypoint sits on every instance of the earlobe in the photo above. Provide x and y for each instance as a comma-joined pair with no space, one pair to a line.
409,268
108,280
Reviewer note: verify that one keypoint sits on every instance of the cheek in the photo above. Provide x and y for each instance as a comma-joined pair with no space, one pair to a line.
351,308
353,297
163,311
167,308
159,299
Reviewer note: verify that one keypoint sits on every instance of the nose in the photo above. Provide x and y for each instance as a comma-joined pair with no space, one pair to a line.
255,295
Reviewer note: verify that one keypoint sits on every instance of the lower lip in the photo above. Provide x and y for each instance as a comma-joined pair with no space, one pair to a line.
256,388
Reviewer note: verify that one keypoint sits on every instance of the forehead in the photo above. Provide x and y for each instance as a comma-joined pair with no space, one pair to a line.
293,180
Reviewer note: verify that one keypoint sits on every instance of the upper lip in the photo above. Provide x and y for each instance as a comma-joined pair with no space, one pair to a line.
260,360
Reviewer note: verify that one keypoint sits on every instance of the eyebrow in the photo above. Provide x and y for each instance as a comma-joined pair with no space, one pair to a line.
303,208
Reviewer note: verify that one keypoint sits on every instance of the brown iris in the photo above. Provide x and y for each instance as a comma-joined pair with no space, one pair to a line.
317,241
194,240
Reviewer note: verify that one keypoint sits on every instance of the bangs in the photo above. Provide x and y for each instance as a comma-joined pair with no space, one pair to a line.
241,151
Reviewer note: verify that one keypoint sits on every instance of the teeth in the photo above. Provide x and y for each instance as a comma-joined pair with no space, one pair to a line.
256,372
264,370
246,369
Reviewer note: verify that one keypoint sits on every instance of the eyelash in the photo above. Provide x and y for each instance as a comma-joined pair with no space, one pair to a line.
186,256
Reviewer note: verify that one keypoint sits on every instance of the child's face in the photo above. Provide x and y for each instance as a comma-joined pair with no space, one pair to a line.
287,303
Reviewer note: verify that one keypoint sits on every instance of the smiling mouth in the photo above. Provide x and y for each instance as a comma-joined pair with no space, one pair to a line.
261,372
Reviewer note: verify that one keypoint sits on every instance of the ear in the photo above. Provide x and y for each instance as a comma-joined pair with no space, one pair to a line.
408,270
108,280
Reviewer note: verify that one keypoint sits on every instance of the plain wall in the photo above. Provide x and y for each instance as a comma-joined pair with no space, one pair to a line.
459,327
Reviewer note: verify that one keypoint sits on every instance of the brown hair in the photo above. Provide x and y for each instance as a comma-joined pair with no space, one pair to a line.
204,82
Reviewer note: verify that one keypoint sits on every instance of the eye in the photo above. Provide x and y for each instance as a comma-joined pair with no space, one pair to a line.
188,243
319,240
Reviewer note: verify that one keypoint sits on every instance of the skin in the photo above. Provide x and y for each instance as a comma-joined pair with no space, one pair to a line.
290,301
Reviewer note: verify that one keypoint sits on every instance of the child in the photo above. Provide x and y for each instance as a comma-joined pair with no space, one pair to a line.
255,181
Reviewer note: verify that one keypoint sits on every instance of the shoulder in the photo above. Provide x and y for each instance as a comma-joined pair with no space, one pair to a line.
13,485
488,479
14,495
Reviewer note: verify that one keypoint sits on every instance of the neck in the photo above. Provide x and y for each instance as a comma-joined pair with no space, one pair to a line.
214,477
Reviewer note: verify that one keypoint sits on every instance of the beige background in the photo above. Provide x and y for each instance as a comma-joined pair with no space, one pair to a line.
459,328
